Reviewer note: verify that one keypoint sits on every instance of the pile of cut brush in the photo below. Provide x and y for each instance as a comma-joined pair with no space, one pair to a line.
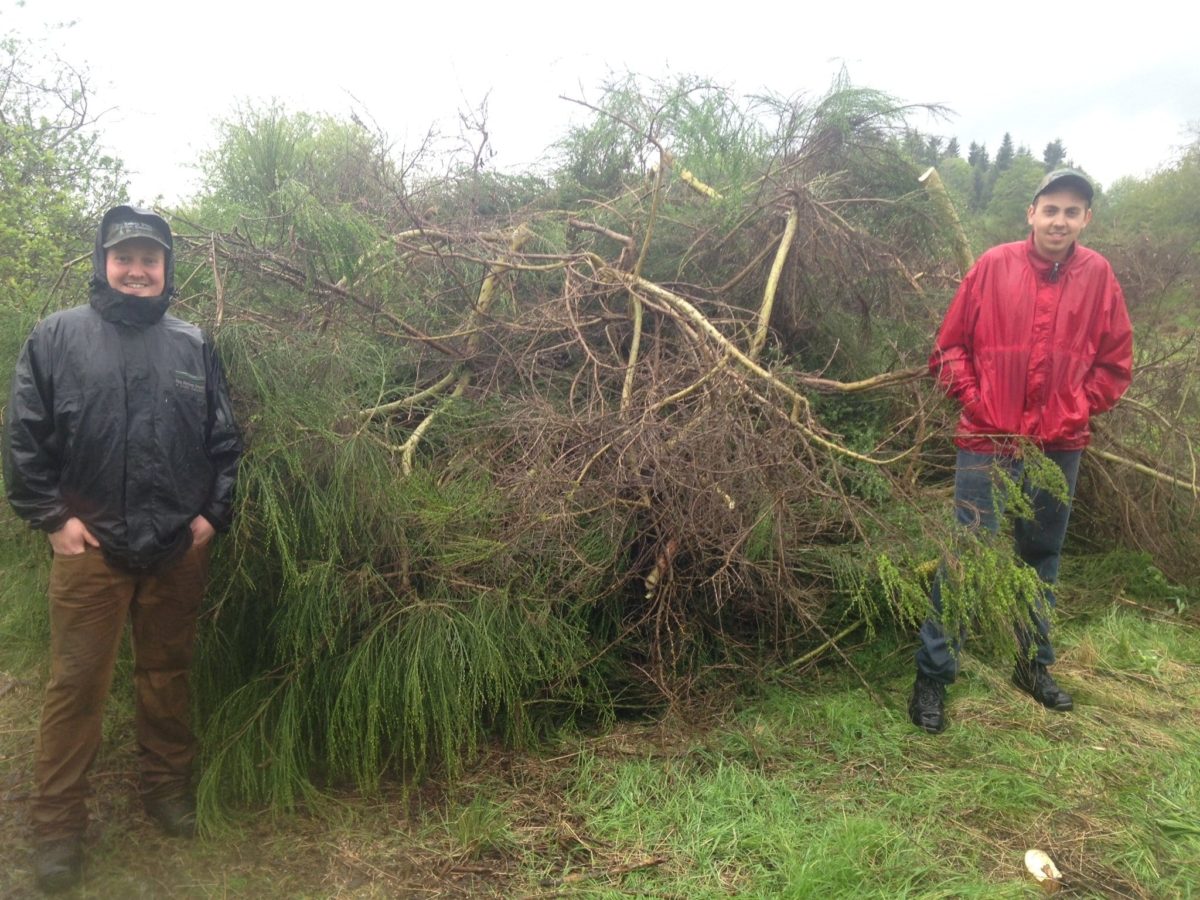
525,449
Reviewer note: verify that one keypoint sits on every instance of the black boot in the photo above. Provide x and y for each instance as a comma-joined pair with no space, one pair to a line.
58,864
1038,683
927,708
175,813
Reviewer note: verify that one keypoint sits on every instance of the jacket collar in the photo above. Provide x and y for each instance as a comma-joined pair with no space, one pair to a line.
125,309
1048,269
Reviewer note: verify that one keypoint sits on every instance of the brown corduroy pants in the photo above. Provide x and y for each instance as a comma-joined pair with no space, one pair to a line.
89,602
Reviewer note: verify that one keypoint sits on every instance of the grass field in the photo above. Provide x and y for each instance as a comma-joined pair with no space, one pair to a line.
817,787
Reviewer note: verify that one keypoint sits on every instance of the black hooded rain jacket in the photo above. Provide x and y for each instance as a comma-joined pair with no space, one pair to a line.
119,415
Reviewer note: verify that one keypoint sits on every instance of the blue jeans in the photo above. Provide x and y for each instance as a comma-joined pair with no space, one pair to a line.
1038,543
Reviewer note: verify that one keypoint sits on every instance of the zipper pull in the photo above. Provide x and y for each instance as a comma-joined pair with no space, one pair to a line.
1053,276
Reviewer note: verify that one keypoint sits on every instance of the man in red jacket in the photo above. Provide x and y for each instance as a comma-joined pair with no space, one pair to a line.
1036,341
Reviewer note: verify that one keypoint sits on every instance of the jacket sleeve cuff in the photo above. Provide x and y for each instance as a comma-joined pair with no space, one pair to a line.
51,523
220,523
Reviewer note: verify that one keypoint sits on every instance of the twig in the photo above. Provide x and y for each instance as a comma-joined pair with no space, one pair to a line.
829,644
613,872
217,284
66,267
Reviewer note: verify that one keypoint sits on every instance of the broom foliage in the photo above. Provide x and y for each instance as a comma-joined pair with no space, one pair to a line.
532,450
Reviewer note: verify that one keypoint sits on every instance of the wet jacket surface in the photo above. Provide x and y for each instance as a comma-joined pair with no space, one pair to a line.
119,414
1032,348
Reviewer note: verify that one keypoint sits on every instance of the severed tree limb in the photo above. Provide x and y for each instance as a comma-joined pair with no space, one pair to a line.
462,376
1147,470
409,447
273,266
218,285
697,185
1170,426
941,199
487,290
635,302
635,346
800,405
689,178
684,308
413,399
885,379
623,239
768,301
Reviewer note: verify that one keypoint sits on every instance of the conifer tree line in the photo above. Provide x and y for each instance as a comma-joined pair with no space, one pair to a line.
552,446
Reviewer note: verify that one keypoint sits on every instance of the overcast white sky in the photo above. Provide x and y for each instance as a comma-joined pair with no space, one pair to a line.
1119,83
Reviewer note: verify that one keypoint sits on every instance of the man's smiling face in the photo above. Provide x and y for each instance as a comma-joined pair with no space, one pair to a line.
137,267
1057,218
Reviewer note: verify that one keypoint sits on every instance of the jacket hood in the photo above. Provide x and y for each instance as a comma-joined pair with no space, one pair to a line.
114,305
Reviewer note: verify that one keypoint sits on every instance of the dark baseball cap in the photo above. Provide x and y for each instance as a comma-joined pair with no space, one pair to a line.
126,228
1066,178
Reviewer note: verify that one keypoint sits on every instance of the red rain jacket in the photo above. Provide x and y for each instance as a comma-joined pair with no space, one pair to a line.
1033,348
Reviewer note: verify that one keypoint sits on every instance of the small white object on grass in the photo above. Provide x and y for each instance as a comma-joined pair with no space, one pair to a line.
1043,869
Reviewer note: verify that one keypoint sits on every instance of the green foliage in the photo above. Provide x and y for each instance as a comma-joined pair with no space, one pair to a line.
25,561
1163,202
368,622
371,624
700,124
984,587
55,178
1005,216
296,179
480,828
1149,229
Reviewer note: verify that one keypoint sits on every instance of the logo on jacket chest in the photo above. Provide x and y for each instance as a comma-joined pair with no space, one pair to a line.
189,383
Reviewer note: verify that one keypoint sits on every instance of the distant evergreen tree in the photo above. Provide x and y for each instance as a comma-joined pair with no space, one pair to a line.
952,148
933,149
1004,156
1054,154
980,189
1004,218
1023,152
977,156
914,145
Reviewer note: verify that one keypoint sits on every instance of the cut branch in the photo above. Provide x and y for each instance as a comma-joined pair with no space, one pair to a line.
768,301
945,206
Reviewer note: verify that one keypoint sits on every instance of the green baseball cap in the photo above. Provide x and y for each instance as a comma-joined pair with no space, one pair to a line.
1066,178
128,229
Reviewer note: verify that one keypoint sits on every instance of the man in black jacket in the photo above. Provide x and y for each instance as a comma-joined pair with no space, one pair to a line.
120,444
